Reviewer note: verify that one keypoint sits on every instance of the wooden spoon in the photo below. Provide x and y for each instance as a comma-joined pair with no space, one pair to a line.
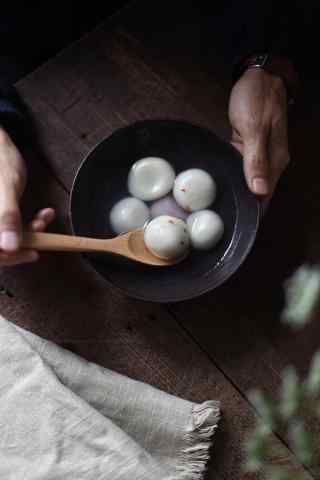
130,245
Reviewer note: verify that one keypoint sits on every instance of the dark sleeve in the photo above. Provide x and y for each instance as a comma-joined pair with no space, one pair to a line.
22,24
261,27
249,26
12,114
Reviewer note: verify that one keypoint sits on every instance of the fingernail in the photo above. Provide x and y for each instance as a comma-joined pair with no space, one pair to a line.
260,186
10,241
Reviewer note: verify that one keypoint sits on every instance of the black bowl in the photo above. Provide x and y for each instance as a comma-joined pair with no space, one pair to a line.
102,180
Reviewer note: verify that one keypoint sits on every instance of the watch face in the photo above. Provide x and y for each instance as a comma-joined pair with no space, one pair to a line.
261,59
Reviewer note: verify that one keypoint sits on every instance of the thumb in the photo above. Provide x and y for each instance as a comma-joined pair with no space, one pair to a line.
256,165
10,220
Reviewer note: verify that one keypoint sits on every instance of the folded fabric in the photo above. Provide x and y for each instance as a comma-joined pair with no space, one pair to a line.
62,417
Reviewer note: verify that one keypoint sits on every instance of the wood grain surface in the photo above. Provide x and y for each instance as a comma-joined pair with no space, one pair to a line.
222,344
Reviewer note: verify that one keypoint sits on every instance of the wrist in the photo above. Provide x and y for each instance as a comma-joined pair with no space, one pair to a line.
277,66
3,136
5,139
13,172
268,87
274,80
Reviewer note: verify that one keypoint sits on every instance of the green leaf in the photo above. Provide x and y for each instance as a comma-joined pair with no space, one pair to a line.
302,293
265,407
313,380
302,442
291,393
256,449
279,473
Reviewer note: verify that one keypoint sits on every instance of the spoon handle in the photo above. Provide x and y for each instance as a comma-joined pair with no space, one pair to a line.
68,243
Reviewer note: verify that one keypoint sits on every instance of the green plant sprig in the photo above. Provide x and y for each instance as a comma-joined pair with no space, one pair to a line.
294,413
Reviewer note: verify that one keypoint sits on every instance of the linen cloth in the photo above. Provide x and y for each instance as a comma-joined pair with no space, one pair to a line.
62,417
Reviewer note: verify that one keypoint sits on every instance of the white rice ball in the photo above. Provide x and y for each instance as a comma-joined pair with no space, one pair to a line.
194,190
128,214
206,229
151,178
167,237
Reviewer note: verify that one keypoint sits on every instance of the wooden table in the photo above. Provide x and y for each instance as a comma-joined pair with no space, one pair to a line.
220,345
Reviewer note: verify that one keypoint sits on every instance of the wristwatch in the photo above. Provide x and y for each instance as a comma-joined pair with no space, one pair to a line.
274,64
